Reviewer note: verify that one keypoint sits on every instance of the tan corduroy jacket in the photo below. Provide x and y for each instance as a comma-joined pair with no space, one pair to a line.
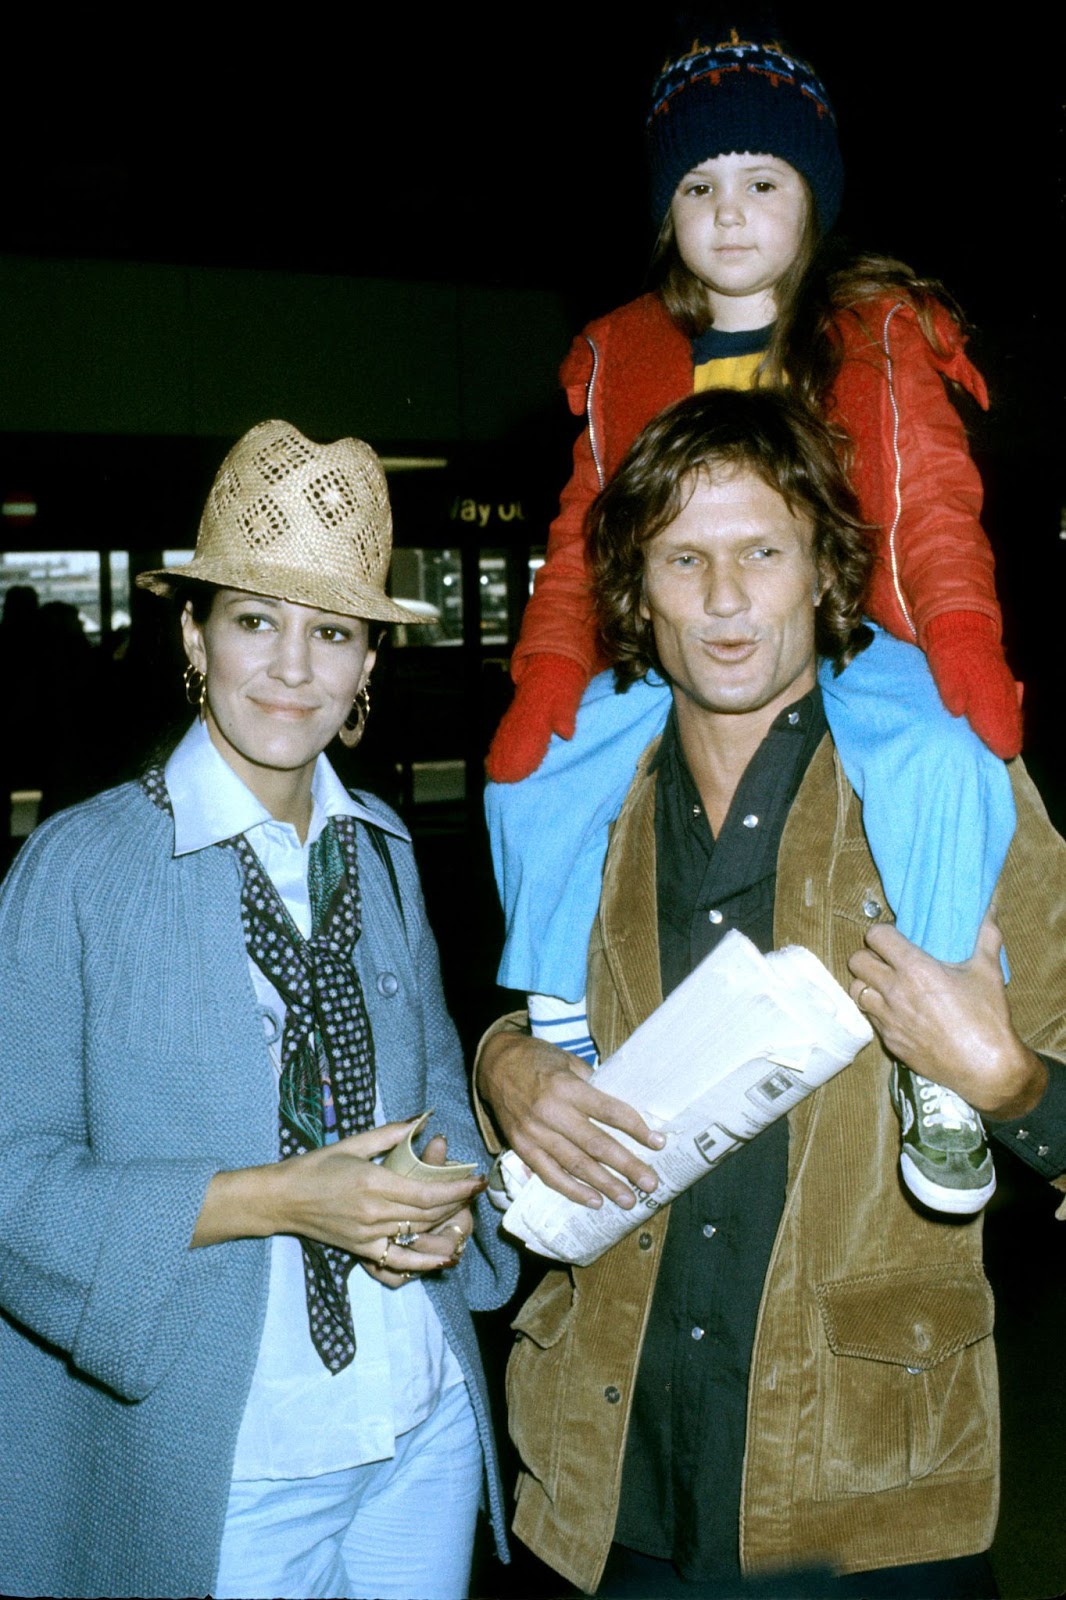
873,1414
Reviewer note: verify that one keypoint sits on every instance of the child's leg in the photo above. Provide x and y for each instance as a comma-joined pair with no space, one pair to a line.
939,816
563,1023
549,835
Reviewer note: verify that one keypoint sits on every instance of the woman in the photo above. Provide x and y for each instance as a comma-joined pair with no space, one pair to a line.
220,1371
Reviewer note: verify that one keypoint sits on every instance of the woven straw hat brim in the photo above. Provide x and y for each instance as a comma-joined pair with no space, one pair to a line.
284,583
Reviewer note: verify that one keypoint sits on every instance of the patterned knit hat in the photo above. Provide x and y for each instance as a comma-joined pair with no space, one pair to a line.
298,521
739,95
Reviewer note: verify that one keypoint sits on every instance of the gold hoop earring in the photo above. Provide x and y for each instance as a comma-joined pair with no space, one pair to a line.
354,724
195,692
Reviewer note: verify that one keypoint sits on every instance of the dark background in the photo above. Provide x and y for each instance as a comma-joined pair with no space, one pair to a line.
503,147
469,145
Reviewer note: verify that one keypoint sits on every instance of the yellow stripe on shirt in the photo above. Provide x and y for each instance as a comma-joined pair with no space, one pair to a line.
727,372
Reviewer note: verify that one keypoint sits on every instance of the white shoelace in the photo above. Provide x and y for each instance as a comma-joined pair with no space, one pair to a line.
942,1108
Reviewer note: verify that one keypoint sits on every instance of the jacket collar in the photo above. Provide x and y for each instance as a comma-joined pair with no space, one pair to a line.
628,908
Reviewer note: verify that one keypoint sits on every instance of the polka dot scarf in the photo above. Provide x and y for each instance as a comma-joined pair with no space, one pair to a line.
326,1088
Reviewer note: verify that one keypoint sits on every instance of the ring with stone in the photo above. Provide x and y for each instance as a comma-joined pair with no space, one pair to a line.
404,1236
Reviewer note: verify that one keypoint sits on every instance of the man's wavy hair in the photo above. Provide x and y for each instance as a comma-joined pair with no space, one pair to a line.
722,431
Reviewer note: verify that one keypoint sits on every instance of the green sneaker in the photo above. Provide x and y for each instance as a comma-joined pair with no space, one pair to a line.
945,1160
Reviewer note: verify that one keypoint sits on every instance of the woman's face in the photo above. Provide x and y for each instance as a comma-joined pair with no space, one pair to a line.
281,679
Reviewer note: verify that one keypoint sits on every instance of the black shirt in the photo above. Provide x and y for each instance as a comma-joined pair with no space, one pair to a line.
685,1449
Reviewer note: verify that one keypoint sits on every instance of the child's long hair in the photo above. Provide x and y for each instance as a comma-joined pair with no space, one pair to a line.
804,355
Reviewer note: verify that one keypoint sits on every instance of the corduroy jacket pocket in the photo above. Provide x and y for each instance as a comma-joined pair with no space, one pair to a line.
906,1379
537,1375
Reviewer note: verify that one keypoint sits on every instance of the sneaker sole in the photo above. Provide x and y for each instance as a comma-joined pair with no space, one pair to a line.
956,1202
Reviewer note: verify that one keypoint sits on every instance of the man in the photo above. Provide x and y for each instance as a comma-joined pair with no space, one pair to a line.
790,1369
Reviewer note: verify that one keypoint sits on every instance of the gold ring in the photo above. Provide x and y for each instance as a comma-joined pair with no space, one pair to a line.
383,1258
461,1242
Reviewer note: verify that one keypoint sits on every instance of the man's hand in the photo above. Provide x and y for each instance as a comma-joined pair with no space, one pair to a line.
543,1105
949,1021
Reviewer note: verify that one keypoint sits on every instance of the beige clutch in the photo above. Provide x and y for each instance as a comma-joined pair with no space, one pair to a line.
402,1160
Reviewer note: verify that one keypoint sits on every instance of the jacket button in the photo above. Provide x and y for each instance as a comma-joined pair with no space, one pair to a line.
612,1395
645,1241
388,983
871,908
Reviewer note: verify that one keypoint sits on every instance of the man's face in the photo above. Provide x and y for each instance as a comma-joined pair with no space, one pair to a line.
730,588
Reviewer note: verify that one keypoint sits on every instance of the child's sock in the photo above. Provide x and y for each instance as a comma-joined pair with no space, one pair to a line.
564,1023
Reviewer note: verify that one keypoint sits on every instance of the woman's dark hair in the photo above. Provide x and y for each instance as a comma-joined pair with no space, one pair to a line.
804,354
722,431
196,594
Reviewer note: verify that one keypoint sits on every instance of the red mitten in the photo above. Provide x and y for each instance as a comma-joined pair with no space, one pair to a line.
975,682
546,701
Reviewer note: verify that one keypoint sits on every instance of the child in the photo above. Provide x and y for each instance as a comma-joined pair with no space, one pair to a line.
746,178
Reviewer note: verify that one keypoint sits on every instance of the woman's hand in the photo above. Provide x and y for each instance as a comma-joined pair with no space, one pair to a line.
447,1241
341,1196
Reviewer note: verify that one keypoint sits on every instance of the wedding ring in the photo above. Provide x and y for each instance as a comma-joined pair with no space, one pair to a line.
383,1257
461,1242
404,1236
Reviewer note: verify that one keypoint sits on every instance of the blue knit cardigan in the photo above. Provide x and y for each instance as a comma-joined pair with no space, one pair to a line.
133,1069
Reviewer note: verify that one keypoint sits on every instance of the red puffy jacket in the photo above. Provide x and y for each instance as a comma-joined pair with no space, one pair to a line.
911,470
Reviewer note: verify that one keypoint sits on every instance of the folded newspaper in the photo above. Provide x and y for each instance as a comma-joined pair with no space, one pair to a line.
736,1045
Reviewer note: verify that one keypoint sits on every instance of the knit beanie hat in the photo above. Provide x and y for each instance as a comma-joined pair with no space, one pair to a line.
739,95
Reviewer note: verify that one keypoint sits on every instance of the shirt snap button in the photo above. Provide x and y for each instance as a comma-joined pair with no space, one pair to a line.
697,1334
751,820
612,1395
388,983
645,1241
871,908
715,917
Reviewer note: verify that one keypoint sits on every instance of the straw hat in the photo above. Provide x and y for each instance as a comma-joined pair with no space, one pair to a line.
297,521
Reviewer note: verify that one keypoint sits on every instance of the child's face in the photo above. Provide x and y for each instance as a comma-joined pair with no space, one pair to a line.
739,222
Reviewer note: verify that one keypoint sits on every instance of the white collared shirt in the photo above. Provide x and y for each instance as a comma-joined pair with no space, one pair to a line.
301,1420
